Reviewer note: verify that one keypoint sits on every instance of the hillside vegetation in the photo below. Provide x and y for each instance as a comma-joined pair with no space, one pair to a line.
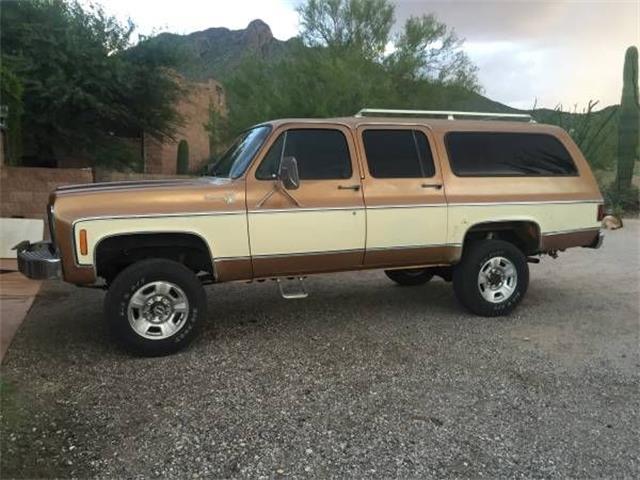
326,73
74,82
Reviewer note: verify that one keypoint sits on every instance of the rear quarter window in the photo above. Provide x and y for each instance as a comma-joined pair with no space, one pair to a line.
488,154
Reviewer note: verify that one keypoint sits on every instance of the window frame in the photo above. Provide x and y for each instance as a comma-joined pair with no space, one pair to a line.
285,131
253,157
507,175
413,128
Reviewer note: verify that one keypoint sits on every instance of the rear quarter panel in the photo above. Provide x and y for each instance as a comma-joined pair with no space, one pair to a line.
556,204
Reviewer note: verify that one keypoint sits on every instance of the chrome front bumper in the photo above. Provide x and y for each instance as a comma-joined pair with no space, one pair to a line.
39,260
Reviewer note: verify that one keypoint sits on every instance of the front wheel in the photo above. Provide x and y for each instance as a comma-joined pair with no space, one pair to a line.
155,306
492,278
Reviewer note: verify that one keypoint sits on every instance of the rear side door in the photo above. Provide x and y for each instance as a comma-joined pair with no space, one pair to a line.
404,196
318,227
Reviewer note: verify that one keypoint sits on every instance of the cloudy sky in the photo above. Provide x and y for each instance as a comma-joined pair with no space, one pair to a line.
556,51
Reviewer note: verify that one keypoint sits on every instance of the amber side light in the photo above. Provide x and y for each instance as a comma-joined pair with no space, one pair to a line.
83,242
600,212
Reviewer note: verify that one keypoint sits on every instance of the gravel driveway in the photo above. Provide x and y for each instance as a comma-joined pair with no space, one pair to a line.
362,379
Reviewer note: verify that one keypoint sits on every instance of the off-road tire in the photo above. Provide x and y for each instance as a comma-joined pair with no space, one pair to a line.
410,277
465,277
132,278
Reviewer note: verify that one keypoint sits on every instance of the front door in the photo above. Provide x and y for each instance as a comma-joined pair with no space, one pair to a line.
320,226
404,197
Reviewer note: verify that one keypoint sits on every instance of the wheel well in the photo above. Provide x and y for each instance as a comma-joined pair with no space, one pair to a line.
523,234
114,254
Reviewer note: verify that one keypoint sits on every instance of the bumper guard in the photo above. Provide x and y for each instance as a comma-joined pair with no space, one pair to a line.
597,242
39,260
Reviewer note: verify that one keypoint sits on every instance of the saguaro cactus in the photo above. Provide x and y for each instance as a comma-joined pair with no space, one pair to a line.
629,122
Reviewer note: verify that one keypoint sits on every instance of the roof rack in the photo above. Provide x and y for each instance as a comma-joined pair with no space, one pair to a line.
451,115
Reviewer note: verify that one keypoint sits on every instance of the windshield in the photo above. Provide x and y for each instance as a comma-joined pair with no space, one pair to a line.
236,160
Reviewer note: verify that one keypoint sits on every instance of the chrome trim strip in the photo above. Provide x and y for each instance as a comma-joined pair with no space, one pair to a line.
358,250
424,205
574,230
157,215
544,202
224,259
416,205
304,209
410,247
304,254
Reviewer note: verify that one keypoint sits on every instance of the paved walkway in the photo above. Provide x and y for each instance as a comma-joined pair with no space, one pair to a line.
16,296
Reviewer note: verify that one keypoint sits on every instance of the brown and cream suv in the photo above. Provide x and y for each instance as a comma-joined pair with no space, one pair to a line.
470,200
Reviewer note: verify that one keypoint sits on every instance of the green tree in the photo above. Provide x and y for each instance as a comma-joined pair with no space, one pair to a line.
425,49
81,85
11,91
338,24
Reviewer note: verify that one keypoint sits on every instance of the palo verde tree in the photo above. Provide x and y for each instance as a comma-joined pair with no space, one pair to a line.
81,83
629,123
424,49
363,25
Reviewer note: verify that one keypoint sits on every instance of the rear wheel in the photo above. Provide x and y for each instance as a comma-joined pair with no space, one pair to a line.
155,306
410,276
492,278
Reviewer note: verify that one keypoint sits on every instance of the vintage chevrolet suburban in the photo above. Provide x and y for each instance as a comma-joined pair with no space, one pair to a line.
469,200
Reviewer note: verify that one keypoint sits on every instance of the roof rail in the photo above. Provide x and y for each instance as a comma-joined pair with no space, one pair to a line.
451,115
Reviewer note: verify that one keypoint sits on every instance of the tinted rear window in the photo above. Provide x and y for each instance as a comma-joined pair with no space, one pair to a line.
508,154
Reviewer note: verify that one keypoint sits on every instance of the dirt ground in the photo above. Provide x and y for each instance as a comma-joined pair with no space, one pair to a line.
362,379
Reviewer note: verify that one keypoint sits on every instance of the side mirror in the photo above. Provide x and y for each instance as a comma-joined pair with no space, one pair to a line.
288,173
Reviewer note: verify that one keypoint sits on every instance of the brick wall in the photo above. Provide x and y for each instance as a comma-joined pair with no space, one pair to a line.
24,191
162,157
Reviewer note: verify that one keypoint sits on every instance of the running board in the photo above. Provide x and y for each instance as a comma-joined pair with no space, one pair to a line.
292,294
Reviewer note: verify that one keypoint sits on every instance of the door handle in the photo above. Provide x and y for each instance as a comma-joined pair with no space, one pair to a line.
355,188
437,186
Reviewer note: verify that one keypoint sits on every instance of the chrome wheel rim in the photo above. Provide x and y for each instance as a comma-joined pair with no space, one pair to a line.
497,279
157,310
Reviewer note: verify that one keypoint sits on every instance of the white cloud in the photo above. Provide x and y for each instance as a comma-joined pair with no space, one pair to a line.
186,16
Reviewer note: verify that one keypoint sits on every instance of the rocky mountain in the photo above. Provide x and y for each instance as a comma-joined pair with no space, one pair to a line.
214,52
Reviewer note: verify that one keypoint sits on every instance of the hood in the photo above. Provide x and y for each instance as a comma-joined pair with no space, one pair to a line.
149,197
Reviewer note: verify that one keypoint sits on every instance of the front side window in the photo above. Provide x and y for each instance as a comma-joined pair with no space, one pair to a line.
508,154
398,154
322,154
237,158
